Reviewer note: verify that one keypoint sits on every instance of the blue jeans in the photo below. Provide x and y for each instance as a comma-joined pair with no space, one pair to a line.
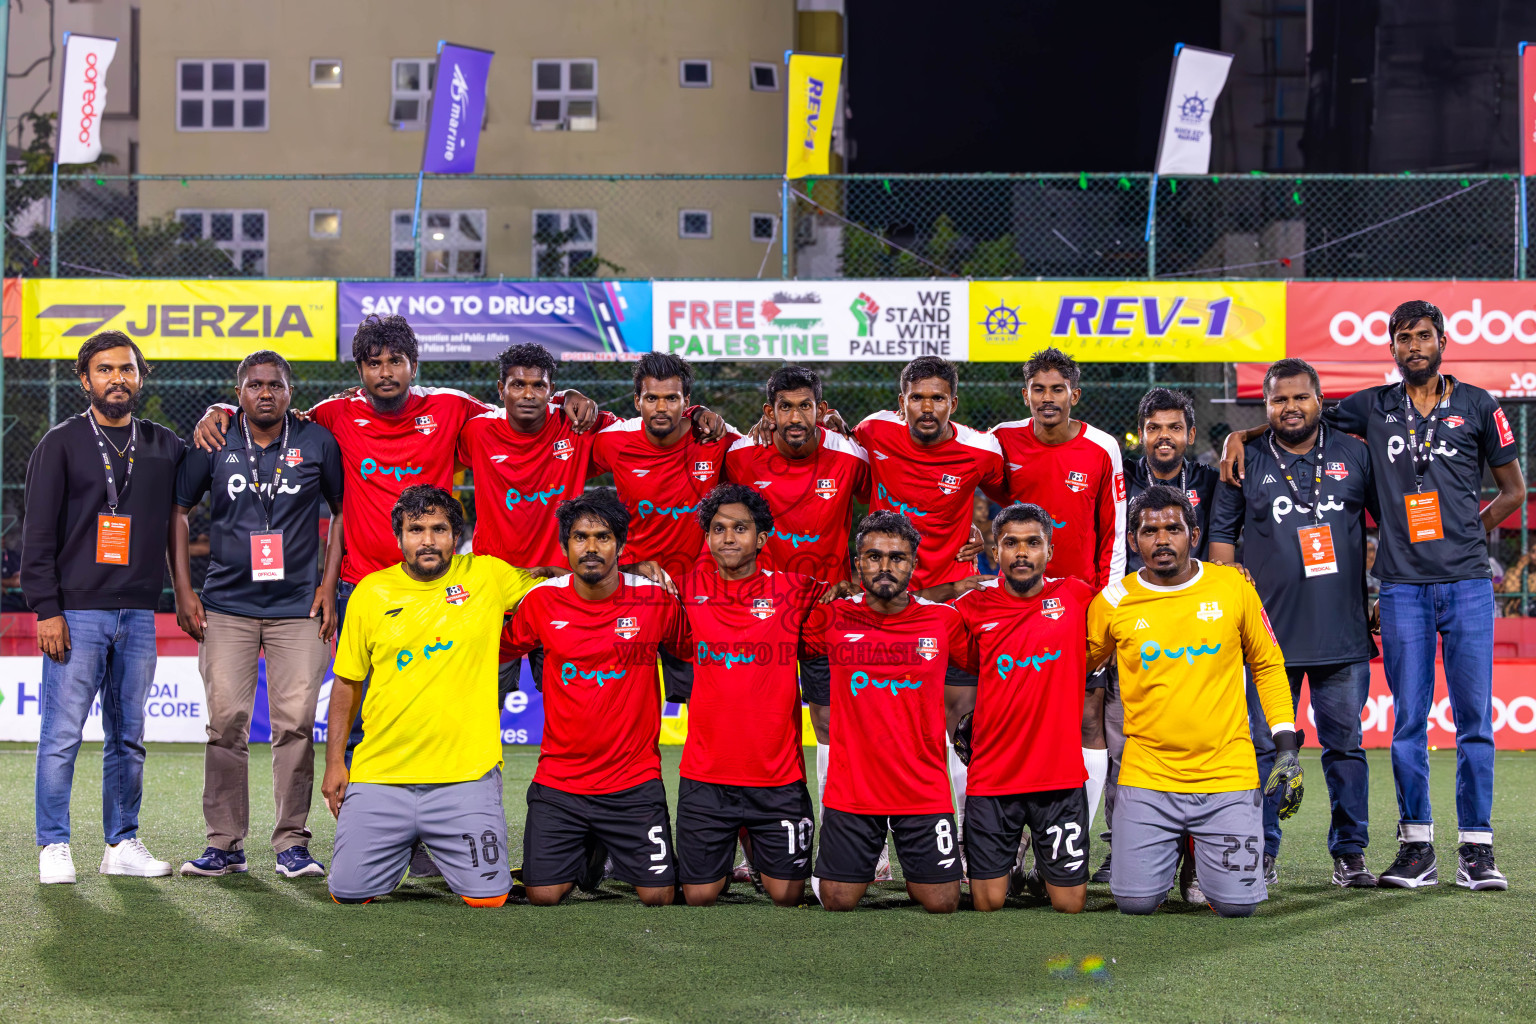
355,733
1462,614
1339,693
112,653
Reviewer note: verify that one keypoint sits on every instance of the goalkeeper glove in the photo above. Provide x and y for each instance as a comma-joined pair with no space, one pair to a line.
962,741
1286,775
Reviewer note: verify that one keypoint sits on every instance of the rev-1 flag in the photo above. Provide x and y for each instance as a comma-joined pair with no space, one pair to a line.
458,106
813,89
1197,79
83,97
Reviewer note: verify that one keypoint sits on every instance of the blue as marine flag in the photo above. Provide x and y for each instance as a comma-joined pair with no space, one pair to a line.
458,107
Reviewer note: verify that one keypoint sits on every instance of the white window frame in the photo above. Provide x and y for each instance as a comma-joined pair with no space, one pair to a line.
682,220
584,100
238,95
315,63
709,74
772,69
321,235
574,245
451,245
237,246
428,75
772,218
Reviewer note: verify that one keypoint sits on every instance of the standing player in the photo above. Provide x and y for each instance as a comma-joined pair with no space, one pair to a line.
888,651
598,784
1027,643
1182,631
742,766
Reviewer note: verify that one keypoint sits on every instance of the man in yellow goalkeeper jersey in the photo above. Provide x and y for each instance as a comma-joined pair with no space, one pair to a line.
1182,630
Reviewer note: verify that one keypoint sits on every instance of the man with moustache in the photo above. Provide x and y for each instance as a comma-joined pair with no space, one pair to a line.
98,498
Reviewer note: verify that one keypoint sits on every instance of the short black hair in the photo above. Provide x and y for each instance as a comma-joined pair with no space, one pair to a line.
1291,367
264,357
420,499
1053,359
1023,512
736,494
1165,400
378,333
925,367
100,343
534,357
661,366
893,523
1416,309
1156,498
600,503
793,378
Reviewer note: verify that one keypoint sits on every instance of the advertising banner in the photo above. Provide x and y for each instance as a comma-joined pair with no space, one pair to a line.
1527,109
1129,321
813,86
883,320
181,319
83,96
10,319
458,106
476,320
176,711
1197,78
1502,380
1490,321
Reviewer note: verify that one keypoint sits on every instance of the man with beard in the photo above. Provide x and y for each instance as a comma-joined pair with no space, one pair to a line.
1430,438
98,498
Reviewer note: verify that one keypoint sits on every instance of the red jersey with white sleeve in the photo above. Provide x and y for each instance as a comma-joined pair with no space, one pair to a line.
888,751
811,500
1082,485
662,488
382,455
1029,655
744,711
933,486
602,695
520,478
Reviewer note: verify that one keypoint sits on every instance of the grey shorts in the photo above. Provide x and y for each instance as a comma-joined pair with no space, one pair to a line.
1228,830
461,823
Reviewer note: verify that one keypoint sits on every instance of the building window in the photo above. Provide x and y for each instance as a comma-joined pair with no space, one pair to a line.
452,243
694,74
241,233
693,224
764,227
565,94
765,77
564,243
410,91
221,95
324,223
325,73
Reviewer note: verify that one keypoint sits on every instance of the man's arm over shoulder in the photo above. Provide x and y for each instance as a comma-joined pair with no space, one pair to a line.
1352,414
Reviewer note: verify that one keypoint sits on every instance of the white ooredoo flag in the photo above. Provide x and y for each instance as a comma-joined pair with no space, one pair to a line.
83,97
1197,80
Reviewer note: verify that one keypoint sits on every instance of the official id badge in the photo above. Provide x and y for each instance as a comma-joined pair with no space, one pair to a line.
112,539
267,556
1317,558
1423,516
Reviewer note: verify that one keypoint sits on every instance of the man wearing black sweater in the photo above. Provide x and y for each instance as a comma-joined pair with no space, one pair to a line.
98,510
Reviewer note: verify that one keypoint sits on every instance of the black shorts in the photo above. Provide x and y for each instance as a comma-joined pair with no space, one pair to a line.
632,823
778,818
1057,820
1099,680
925,845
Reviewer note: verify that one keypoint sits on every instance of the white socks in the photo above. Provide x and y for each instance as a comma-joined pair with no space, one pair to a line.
823,755
957,774
1097,763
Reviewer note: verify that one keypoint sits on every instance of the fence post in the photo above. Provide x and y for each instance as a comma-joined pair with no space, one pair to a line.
784,228
1152,230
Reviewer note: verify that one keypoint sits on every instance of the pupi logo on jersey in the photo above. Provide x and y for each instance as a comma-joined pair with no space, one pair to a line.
702,471
1051,608
948,483
762,607
425,424
562,449
1077,483
627,628
456,595
293,456
1209,611
1337,470
927,647
826,490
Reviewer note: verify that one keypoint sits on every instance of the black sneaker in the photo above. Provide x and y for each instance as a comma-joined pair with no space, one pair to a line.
591,878
1475,868
1350,872
422,864
1271,874
1102,875
1414,866
1189,884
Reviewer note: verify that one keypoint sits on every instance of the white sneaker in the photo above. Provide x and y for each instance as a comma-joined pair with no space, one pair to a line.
129,857
55,865
883,865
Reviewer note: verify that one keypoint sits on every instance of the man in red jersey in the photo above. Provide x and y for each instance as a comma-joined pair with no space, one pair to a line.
888,650
742,766
598,784
1029,646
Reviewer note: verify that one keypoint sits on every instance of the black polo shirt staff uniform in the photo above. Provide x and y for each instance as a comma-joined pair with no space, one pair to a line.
1199,483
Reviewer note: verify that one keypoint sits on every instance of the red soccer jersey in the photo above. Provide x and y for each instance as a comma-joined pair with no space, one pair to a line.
602,696
934,486
520,478
382,456
662,488
810,498
744,712
1082,485
888,750
1030,658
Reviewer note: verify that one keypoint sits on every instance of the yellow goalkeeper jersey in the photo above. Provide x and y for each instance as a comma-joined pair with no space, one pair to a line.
1181,651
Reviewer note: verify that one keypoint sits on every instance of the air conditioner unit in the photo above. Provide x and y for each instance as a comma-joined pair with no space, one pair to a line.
587,123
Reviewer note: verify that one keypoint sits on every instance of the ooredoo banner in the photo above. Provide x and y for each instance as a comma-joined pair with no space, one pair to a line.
1514,710
1486,321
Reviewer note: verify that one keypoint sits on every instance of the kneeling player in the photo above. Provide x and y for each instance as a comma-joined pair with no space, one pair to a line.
888,651
1028,646
742,766
428,767
598,784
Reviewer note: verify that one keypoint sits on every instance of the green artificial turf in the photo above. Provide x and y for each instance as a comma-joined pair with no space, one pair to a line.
258,947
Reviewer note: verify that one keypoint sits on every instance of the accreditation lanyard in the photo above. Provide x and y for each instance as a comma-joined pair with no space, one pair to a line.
1431,424
1314,505
252,459
113,495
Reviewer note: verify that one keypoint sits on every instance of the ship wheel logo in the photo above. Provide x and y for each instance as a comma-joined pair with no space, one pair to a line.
1002,323
1193,108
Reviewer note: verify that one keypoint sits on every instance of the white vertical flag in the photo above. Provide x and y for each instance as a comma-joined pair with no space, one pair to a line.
1196,81
83,97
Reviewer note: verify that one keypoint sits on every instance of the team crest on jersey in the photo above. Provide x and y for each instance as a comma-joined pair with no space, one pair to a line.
1453,421
425,424
826,490
1077,483
762,607
948,483
1194,498
456,595
627,628
1051,608
1209,611
562,449
702,471
927,647
293,456
1337,470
